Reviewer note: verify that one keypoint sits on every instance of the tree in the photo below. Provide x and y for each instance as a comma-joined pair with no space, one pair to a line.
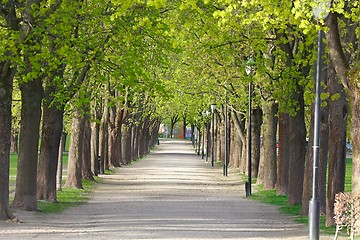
349,76
74,178
6,81
338,114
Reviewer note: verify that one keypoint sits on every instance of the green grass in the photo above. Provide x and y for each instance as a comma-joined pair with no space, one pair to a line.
13,164
348,175
68,198
270,197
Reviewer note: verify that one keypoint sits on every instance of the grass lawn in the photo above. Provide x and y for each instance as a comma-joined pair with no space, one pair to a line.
66,198
270,197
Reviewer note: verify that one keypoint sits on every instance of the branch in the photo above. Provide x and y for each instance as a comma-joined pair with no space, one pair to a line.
337,55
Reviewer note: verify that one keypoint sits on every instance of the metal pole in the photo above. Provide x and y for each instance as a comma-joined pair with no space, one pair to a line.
203,143
314,204
226,136
207,141
213,137
248,189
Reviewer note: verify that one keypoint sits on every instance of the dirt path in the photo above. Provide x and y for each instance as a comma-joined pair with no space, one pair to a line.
170,194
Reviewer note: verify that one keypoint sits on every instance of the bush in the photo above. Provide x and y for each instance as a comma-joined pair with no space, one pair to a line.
347,213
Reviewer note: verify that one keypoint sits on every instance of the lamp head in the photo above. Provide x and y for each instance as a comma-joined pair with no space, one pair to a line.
249,65
213,107
321,9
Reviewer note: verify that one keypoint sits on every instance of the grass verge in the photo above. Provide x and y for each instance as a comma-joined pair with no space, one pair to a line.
270,197
68,198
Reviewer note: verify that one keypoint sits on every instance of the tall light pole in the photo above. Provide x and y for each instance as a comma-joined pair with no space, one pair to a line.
207,113
226,143
213,108
321,11
249,70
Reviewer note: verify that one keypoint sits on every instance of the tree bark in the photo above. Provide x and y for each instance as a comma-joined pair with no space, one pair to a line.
126,146
113,158
239,124
308,173
269,144
338,112
59,174
184,125
14,146
349,79
283,154
255,141
74,177
297,151
52,127
95,167
174,119
86,150
6,85
103,139
25,193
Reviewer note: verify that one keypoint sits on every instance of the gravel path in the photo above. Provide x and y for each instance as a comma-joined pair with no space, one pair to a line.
170,194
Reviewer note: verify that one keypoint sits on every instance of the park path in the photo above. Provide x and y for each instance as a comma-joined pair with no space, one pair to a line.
170,194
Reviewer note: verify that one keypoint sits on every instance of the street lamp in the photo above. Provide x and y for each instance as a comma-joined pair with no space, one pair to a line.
249,70
213,108
321,11
226,143
207,113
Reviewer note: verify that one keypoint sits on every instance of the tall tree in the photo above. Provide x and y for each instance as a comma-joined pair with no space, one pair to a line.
338,116
349,75
6,82
74,177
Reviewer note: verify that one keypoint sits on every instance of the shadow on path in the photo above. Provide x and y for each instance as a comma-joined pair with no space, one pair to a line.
170,194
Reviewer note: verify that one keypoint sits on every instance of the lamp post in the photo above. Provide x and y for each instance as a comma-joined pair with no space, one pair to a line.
226,143
213,108
203,141
207,113
249,70
321,11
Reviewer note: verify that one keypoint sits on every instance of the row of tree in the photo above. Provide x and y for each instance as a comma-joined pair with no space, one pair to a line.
95,66
281,38
122,65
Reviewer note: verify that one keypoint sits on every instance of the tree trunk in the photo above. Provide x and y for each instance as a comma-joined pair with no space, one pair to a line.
308,173
103,139
95,167
338,112
52,126
59,174
25,193
255,141
355,137
6,85
174,119
14,145
74,177
86,151
283,154
297,151
112,138
349,79
269,144
236,147
239,124
184,126
124,145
